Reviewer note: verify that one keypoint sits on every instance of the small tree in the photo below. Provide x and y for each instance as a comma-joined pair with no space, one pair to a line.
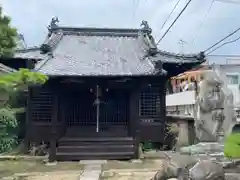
7,36
11,84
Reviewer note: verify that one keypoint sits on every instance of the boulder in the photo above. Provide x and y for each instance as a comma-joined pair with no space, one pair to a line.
190,169
207,170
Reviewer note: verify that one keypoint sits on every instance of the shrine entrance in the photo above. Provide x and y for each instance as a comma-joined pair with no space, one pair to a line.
98,111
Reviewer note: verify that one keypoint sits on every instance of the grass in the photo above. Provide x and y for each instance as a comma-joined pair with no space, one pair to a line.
8,168
18,150
232,146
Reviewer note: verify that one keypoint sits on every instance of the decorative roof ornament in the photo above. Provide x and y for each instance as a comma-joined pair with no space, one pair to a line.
148,38
146,27
53,23
200,56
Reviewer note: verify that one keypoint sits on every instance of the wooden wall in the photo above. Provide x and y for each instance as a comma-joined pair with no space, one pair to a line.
148,126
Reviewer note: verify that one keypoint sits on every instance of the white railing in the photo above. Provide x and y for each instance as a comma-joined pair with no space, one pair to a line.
181,103
181,98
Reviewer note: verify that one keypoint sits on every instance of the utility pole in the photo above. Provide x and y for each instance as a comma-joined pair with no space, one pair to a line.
181,43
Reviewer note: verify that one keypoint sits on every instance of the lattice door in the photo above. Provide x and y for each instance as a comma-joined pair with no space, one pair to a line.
81,109
114,109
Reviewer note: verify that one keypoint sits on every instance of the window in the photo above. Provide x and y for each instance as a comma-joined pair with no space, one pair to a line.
41,105
150,101
232,79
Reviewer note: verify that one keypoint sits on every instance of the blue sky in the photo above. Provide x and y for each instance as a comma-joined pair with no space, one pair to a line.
31,17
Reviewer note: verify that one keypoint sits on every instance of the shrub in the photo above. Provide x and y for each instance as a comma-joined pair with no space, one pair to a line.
171,136
232,146
11,86
8,126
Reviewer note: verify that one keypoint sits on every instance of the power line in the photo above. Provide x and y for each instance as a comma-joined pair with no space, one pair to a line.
232,41
170,13
203,20
232,33
136,6
224,55
174,22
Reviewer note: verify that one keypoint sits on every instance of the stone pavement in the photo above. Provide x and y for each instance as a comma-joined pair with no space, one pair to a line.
56,176
129,174
92,170
60,175
126,170
95,170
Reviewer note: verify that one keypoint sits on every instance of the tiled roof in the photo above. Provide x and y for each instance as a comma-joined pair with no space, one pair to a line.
30,53
167,57
6,69
92,52
104,52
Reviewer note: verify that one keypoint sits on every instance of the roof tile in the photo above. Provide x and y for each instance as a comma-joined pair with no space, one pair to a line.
98,55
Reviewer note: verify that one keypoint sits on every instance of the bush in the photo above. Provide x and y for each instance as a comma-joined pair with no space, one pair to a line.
147,146
232,146
171,136
8,127
11,87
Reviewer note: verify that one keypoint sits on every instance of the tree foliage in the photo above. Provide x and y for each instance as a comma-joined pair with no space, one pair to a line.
20,80
232,146
10,85
7,36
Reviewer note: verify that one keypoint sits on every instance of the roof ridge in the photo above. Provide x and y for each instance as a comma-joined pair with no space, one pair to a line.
54,27
28,49
56,33
104,29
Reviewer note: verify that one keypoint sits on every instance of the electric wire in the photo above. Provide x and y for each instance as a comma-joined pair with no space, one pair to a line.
169,15
174,22
203,20
228,42
225,55
136,5
221,40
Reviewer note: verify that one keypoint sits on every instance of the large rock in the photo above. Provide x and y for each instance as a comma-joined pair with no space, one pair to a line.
183,168
207,170
203,148
175,166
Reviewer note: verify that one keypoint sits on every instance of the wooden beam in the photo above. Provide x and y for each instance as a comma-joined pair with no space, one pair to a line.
53,138
28,120
134,119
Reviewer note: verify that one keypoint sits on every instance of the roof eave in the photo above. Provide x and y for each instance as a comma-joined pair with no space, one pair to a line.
6,69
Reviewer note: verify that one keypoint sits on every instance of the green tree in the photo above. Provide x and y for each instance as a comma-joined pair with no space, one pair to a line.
7,36
10,85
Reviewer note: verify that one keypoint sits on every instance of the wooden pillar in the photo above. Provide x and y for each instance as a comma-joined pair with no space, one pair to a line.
53,138
163,106
134,123
134,117
163,100
27,95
